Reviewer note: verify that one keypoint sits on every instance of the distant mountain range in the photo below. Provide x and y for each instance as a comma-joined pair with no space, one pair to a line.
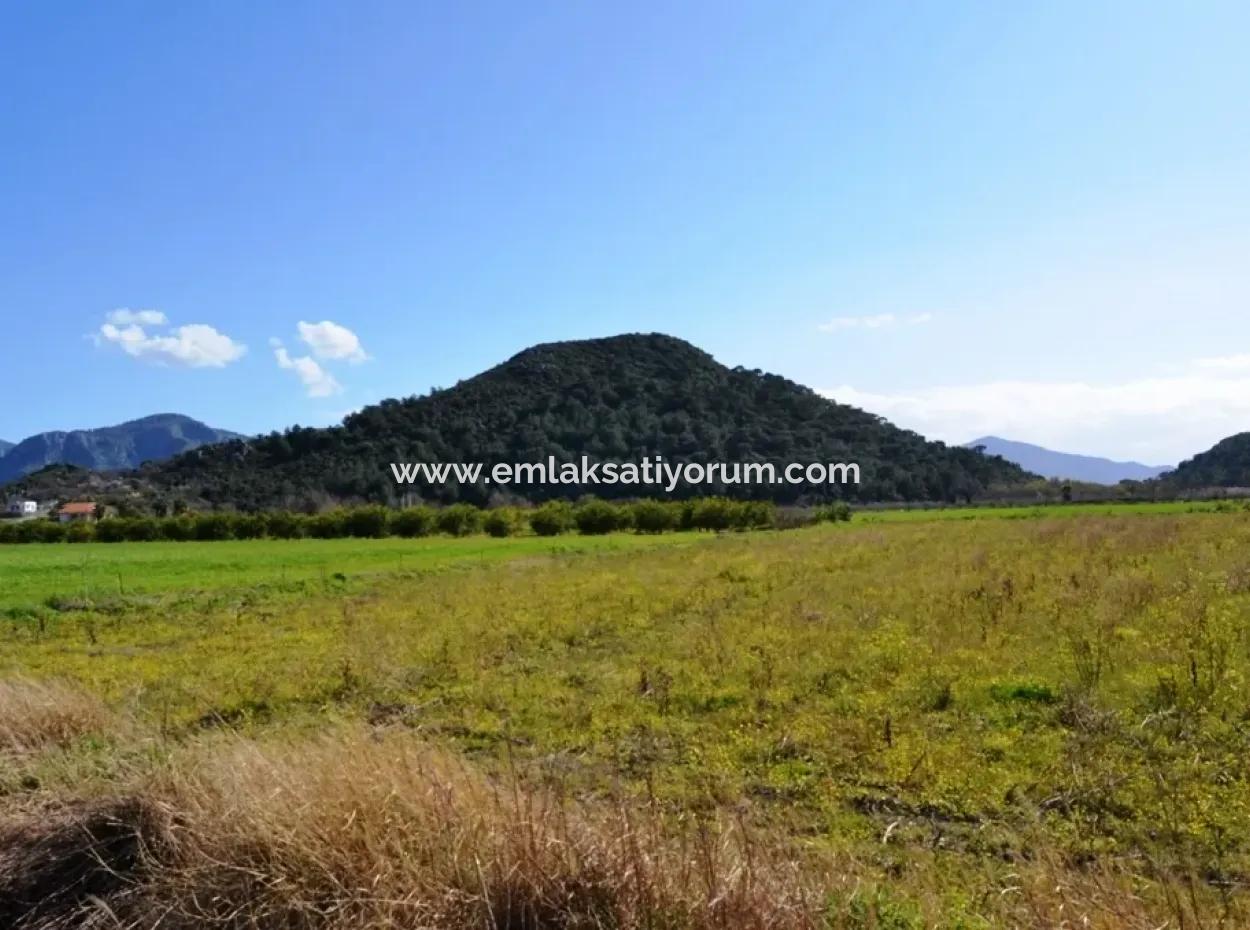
126,445
1051,464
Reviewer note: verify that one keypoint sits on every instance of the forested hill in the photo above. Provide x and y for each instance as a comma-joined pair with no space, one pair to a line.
1224,465
620,398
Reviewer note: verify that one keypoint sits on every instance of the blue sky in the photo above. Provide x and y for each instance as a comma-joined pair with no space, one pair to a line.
970,218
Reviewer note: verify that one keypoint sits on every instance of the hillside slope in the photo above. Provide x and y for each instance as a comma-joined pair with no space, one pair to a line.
1051,464
126,445
620,398
1226,465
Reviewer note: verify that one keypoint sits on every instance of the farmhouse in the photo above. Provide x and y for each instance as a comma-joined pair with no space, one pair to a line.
76,510
17,507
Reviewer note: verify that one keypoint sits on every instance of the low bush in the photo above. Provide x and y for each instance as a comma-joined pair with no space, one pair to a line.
248,526
459,520
282,524
327,525
412,522
837,512
655,516
213,526
591,516
367,522
502,521
178,529
111,529
552,518
596,517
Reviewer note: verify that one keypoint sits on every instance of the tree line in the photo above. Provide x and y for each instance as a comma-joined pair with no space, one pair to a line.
553,518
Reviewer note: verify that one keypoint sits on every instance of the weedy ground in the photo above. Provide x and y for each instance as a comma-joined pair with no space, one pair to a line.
983,723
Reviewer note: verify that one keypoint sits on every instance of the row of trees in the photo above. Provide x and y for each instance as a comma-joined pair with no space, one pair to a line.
588,517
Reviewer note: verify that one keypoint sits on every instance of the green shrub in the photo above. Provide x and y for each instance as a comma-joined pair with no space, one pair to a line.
79,531
328,525
459,520
655,516
757,515
366,522
178,529
213,526
412,522
502,521
282,524
596,517
837,512
140,529
552,518
247,526
48,531
8,531
111,529
713,513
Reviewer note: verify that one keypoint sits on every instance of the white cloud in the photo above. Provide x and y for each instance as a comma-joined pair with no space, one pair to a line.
330,341
874,321
1157,420
196,345
127,317
1225,363
316,380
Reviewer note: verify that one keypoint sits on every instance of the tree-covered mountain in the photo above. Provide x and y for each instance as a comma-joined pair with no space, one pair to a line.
1066,465
5,446
1224,465
616,399
124,446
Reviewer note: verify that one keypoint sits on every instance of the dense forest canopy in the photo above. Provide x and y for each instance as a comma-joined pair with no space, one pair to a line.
1224,465
622,399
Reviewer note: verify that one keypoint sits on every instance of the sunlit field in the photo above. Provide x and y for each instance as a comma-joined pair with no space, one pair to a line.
31,575
913,723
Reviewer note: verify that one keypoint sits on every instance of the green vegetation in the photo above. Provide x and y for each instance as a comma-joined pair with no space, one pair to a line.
618,399
1045,511
590,517
42,579
970,723
1226,464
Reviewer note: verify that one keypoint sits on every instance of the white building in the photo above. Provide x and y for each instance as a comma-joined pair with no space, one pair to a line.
20,508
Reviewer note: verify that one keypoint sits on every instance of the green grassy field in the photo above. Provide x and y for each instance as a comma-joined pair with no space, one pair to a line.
1044,511
32,574
969,723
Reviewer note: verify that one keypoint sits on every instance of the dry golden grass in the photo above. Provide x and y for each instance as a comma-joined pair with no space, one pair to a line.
35,715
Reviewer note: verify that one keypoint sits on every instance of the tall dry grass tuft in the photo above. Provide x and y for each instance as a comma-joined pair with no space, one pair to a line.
39,715
354,831
359,831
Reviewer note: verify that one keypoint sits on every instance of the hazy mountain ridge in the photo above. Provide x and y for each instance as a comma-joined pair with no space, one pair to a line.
124,446
1052,464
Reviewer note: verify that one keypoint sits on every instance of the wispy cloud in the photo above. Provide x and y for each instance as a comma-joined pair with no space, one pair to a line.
1159,420
331,341
874,321
196,345
127,317
316,380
